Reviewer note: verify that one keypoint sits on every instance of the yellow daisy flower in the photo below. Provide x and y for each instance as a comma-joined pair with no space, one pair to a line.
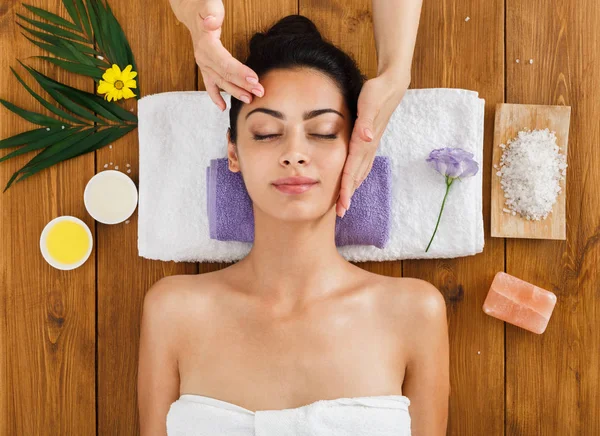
116,84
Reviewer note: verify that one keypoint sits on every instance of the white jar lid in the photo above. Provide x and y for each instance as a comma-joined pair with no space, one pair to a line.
110,197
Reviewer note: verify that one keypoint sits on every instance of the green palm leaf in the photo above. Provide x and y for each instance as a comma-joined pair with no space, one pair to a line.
64,101
91,101
22,138
33,117
71,134
55,30
43,142
121,41
75,67
59,146
111,33
72,10
47,105
83,14
55,40
85,60
98,35
53,18
69,151
65,53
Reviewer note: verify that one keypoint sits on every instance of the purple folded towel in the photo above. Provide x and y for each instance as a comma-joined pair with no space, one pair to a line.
231,217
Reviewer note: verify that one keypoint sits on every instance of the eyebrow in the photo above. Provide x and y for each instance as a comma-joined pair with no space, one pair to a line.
305,116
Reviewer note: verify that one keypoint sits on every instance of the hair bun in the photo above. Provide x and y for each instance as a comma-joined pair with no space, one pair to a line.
294,25
290,26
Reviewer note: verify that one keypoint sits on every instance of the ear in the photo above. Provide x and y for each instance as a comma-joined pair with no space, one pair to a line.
234,165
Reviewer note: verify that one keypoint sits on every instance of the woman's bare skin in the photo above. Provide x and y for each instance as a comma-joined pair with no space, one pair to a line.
293,322
232,345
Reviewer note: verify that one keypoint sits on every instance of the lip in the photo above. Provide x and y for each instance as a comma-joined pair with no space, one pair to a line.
294,189
294,181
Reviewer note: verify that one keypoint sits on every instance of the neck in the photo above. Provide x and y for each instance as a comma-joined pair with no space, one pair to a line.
292,262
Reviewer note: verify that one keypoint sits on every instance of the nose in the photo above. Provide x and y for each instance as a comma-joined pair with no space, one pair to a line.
295,153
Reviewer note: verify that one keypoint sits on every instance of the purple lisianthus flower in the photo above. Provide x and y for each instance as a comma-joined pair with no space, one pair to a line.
453,162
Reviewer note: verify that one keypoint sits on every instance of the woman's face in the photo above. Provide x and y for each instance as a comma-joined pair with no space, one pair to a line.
301,127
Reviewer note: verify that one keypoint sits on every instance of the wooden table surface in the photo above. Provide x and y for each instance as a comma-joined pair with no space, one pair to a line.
69,339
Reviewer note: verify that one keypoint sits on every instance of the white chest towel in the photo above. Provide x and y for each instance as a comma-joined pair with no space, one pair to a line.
384,415
180,132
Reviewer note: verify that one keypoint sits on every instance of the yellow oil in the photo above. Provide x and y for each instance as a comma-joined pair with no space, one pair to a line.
67,242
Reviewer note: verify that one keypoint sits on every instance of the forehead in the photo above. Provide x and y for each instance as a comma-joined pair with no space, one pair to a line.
294,91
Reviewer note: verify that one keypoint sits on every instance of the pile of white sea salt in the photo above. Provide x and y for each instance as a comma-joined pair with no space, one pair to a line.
531,168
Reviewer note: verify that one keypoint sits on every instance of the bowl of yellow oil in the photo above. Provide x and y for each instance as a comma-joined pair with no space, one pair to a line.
66,242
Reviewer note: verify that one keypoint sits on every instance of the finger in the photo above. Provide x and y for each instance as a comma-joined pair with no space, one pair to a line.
235,72
213,92
364,128
350,181
211,15
366,174
230,88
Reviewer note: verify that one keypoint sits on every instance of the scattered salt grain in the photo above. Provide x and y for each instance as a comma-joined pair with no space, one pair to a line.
517,61
479,352
127,222
100,57
47,128
467,19
127,165
110,146
105,165
128,171
111,163
531,170
117,167
530,61
63,127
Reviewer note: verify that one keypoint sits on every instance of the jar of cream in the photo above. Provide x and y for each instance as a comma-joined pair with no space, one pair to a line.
110,197
66,242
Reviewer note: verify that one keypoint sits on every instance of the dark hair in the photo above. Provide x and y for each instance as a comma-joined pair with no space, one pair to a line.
295,42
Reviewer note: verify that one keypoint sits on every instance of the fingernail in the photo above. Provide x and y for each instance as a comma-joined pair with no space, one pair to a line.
245,99
209,17
257,92
343,212
369,134
349,203
251,79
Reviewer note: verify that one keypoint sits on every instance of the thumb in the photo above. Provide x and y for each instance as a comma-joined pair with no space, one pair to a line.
367,111
365,125
211,15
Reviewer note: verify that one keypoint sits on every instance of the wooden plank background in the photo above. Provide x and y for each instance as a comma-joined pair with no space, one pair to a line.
69,339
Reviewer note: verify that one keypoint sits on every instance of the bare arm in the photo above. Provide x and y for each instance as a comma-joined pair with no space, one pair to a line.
158,374
427,378
395,25
186,11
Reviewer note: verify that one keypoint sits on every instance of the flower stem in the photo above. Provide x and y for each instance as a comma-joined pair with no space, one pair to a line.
448,183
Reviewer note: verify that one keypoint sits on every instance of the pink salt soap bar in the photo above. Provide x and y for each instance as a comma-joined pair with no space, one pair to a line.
519,303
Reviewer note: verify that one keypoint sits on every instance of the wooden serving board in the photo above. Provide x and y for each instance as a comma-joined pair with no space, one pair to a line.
510,119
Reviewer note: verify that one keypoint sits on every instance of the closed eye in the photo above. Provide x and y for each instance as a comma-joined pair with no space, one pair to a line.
263,137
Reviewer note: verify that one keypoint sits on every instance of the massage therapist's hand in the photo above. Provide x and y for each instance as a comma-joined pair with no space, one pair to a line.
378,99
218,67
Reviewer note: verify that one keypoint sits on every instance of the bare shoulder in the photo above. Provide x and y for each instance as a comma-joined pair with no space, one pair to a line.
172,297
416,300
